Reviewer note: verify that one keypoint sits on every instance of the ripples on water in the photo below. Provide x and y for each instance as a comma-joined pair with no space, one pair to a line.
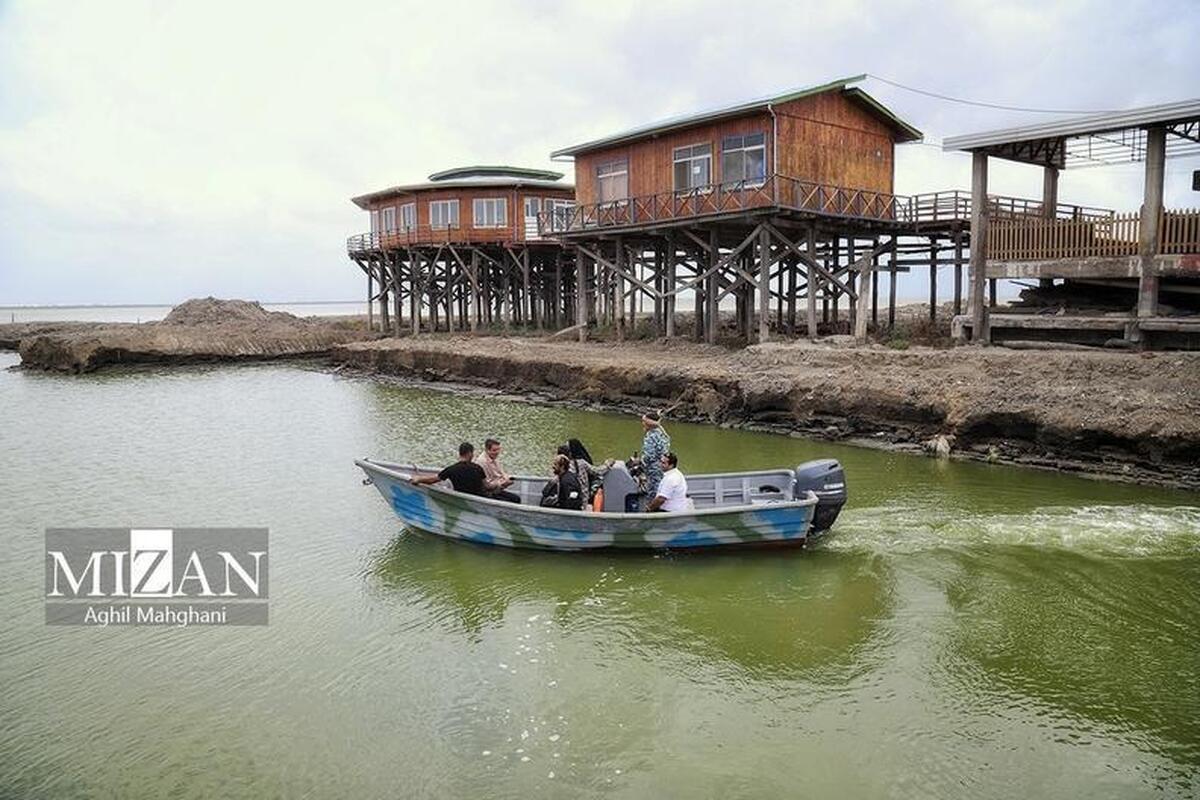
966,631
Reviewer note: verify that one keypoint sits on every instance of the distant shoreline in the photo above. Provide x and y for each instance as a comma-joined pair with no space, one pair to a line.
32,307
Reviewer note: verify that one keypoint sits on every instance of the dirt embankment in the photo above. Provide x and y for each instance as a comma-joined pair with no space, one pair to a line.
1122,415
198,330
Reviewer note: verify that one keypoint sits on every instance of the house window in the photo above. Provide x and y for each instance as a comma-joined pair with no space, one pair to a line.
693,167
374,221
744,158
408,216
612,181
389,218
490,212
443,213
532,206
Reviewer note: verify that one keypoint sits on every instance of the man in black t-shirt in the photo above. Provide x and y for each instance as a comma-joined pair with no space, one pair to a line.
465,475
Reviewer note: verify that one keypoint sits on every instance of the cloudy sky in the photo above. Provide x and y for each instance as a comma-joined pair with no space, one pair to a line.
154,151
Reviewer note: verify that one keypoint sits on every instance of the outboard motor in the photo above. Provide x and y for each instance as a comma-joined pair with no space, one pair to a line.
826,478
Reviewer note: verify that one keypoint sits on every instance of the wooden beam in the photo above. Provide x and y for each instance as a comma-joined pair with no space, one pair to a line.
764,285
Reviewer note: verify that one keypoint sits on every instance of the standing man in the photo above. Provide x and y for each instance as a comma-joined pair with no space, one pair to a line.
496,480
655,444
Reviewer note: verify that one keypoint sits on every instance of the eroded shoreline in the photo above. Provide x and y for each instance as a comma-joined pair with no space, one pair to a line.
1119,416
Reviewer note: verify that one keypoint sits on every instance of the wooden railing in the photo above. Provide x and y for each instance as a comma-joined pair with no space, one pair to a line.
427,235
785,192
1179,231
1035,239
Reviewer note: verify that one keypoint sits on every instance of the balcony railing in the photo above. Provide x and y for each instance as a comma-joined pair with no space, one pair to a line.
784,192
427,235
956,206
1035,239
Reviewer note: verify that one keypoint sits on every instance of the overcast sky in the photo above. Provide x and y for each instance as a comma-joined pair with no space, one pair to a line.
151,152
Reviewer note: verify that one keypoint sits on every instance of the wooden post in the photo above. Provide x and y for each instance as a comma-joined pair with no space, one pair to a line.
979,221
958,265
581,294
476,299
812,284
506,310
1148,230
833,263
764,285
854,302
712,287
635,293
860,319
384,313
659,301
618,291
793,265
875,286
892,286
558,291
394,274
531,316
450,310
933,268
414,289
370,298
669,286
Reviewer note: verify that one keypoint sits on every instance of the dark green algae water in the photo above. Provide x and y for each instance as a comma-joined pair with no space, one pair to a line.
966,631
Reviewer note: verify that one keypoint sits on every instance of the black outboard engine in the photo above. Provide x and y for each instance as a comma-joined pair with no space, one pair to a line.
825,477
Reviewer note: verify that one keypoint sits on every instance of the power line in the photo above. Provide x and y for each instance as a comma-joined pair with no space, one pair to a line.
999,106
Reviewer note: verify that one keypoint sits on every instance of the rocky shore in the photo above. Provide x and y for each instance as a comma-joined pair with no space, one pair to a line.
1126,416
205,329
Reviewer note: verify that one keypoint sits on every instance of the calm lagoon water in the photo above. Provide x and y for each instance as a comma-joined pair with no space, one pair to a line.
152,313
967,630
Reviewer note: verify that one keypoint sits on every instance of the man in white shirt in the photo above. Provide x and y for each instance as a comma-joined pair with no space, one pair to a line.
671,494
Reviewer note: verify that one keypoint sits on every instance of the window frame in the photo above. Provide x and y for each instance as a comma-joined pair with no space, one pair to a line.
621,166
498,204
743,150
688,159
448,223
408,216
388,219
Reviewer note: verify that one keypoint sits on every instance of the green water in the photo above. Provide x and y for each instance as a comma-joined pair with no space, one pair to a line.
967,631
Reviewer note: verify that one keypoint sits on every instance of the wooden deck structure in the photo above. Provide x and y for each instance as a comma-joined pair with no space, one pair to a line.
784,204
781,209
464,250
1146,252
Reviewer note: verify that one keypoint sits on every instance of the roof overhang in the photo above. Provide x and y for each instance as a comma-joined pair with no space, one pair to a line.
364,201
1091,140
496,171
904,131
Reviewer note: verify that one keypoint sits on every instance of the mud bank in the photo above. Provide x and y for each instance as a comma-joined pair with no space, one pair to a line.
1133,417
205,329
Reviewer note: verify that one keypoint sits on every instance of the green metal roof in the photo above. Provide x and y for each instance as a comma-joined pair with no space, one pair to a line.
907,133
497,171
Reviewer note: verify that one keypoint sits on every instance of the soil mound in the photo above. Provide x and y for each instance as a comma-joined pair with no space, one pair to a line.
215,311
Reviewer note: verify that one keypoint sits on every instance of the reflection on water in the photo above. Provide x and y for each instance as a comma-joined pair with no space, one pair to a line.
769,614
966,631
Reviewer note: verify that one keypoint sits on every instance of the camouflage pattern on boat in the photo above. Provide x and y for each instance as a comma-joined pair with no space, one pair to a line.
444,512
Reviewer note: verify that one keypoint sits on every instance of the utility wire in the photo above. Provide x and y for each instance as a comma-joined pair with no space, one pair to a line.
988,105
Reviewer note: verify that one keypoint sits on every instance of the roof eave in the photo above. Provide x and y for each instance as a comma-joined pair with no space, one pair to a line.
761,104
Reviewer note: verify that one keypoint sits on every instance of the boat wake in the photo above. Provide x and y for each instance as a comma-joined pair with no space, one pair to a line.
1124,530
